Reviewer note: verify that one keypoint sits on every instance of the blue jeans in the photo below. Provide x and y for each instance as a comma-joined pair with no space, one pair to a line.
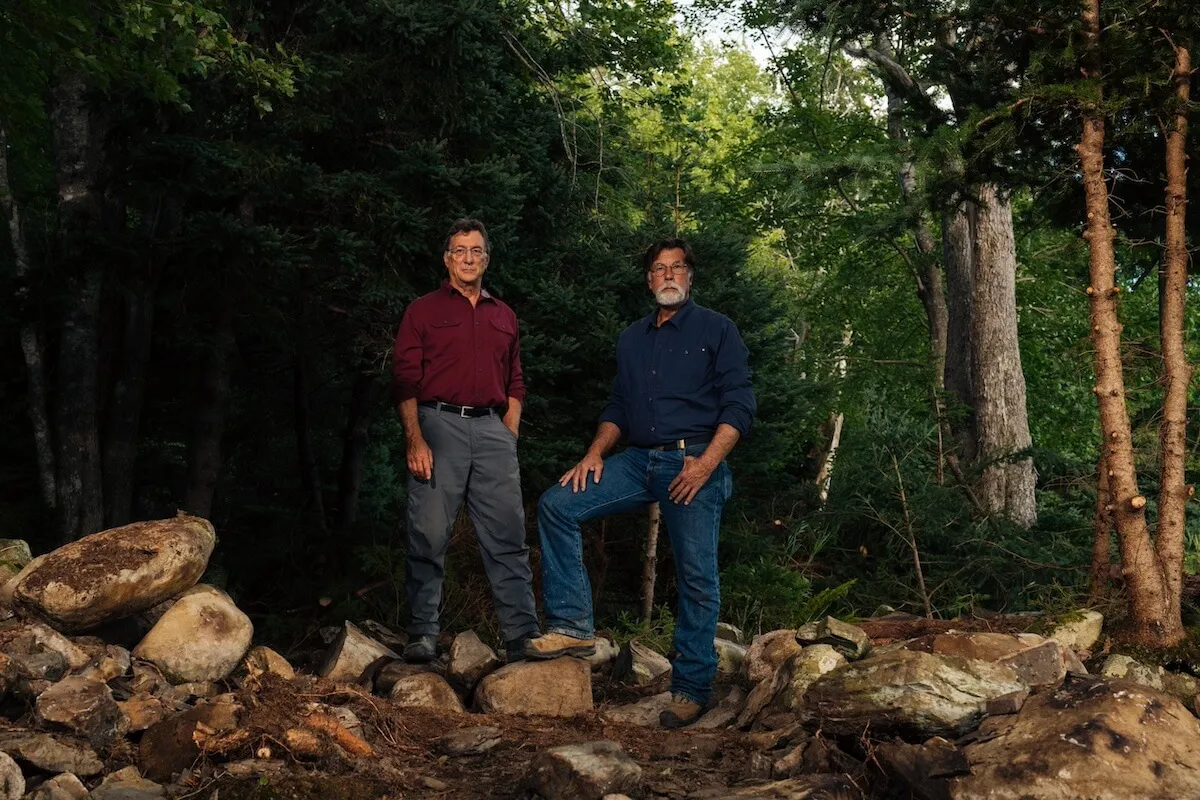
631,480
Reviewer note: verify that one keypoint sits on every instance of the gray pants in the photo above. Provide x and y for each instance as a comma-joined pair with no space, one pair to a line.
475,457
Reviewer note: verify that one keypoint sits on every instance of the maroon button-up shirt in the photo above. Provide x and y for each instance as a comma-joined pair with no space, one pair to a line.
452,351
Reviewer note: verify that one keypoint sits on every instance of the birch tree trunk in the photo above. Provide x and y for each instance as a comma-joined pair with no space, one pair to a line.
1155,621
31,341
1006,486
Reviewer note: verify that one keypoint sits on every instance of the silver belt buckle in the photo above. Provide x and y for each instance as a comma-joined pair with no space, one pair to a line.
462,411
682,443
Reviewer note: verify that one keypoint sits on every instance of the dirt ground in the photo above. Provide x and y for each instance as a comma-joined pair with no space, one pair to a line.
675,764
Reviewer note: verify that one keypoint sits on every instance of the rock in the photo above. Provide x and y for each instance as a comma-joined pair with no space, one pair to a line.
1102,739
171,746
693,747
1181,687
644,712
84,706
730,657
847,639
585,771
558,688
14,554
12,781
807,787
1080,632
51,753
471,741
146,678
1009,703
127,788
725,712
384,635
606,653
61,787
113,663
262,660
196,690
908,694
808,665
426,690
115,573
768,652
387,676
353,655
764,693
639,665
46,639
142,711
923,768
202,637
730,633
1037,661
48,666
470,660
255,767
1122,666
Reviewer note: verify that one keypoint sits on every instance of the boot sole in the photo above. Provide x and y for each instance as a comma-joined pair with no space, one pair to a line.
574,652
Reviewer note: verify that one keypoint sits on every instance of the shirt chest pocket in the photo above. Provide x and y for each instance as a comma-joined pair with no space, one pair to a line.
501,333
694,364
444,337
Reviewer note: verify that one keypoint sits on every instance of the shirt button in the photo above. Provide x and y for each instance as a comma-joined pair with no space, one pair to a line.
651,427
653,372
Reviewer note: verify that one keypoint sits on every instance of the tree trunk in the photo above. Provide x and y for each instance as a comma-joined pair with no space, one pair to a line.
363,397
212,401
1155,621
310,473
1006,484
958,256
650,569
1177,372
1102,526
77,144
31,340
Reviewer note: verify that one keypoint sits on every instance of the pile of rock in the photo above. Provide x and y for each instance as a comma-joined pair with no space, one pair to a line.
124,678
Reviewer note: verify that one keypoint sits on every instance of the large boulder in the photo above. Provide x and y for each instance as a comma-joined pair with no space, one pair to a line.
202,637
1037,661
811,663
115,573
1092,737
558,688
909,694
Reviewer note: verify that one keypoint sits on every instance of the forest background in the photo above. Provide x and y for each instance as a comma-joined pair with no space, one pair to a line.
217,212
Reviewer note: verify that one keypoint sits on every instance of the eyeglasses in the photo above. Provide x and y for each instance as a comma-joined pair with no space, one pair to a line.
678,268
461,252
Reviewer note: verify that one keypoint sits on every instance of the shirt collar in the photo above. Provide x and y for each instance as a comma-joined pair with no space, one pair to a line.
676,319
484,293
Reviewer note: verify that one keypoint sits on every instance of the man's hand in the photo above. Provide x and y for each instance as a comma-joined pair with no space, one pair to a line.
690,480
577,475
512,421
420,459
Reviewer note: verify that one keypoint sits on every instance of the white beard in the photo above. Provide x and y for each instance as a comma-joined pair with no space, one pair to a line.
670,297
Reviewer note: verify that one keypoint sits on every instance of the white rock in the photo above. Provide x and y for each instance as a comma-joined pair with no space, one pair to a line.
730,656
1123,666
202,637
1080,634
639,665
352,654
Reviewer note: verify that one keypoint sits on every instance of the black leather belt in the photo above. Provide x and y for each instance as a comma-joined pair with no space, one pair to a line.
463,411
681,444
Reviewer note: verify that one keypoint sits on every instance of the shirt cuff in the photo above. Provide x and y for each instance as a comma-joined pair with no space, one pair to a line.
737,418
616,417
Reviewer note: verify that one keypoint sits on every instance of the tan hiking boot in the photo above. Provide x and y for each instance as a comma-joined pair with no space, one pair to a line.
682,711
556,645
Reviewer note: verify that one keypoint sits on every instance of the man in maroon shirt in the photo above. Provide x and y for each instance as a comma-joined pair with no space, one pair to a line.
457,377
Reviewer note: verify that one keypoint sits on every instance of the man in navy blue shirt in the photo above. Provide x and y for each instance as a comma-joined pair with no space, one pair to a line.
683,398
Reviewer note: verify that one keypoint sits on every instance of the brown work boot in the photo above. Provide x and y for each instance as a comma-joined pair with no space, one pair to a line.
682,711
556,645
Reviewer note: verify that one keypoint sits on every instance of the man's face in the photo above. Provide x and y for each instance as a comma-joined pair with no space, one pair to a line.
672,287
466,259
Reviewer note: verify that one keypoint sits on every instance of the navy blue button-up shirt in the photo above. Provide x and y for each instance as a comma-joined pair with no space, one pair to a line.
680,380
